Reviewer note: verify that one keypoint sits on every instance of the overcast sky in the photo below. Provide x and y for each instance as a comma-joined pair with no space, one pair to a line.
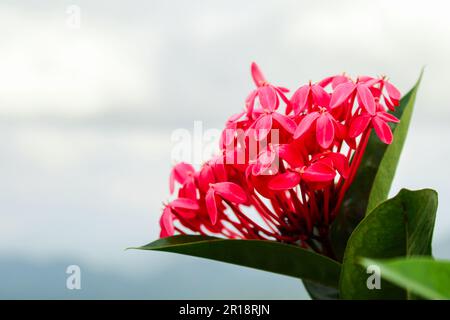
86,113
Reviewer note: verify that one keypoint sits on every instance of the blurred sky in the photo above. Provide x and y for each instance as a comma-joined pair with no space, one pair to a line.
86,116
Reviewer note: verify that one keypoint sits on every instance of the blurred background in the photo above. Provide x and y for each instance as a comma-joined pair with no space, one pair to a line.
90,92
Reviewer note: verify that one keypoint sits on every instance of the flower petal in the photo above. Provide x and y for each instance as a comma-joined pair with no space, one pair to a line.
265,162
340,162
300,98
211,205
358,125
286,122
341,94
392,91
285,181
337,80
318,172
205,177
184,203
321,97
290,154
231,191
268,97
227,137
324,82
366,97
388,117
382,130
305,124
218,166
166,223
180,173
262,127
257,75
324,130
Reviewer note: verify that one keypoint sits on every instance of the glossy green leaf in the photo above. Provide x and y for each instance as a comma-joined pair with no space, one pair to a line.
399,227
320,292
422,276
269,256
388,165
374,177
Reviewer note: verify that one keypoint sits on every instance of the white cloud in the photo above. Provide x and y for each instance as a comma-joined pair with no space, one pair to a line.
46,67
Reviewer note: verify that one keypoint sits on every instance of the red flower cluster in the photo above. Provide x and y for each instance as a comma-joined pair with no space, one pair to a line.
283,175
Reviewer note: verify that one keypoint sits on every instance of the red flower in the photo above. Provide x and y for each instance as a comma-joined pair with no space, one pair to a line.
289,189
316,172
265,92
348,90
227,191
309,95
379,122
325,127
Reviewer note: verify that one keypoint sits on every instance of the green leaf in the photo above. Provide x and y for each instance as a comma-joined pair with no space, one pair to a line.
320,292
374,177
422,276
269,256
399,227
388,165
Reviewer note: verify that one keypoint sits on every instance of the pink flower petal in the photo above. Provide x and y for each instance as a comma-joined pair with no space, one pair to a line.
188,189
358,125
305,124
166,223
262,127
291,155
324,82
392,91
340,162
368,81
227,137
257,75
211,205
387,117
321,97
231,191
337,80
324,130
382,130
366,97
180,173
341,94
268,97
319,172
184,203
172,182
286,122
285,181
219,169
282,95
299,99
205,177
283,89
264,162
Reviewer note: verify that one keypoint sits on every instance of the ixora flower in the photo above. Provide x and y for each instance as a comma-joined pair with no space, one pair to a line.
300,188
322,134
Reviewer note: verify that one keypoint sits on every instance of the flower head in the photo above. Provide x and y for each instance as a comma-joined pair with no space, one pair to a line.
290,187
